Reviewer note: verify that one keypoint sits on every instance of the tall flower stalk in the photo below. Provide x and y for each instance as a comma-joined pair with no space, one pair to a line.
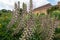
24,8
14,18
28,30
20,21
49,26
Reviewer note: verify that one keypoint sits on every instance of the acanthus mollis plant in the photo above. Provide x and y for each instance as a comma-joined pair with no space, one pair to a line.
28,30
20,21
14,18
49,25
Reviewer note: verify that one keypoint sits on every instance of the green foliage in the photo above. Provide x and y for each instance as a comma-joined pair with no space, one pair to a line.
53,8
56,14
4,20
57,34
57,30
20,11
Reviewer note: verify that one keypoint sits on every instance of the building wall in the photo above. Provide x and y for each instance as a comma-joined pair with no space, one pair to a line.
39,11
42,9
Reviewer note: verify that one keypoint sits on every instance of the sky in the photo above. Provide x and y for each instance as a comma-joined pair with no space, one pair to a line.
9,4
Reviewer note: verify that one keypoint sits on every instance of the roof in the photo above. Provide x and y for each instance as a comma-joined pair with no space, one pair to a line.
47,5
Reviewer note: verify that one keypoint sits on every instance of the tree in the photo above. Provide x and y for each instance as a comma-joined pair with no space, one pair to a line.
53,8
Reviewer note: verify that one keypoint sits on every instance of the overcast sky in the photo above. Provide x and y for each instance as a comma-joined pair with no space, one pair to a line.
9,4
